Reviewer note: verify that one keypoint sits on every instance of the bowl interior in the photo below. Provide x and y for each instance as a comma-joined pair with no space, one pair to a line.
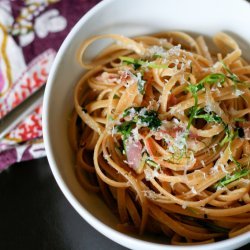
129,18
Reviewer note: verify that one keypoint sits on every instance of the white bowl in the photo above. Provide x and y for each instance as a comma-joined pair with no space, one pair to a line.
129,18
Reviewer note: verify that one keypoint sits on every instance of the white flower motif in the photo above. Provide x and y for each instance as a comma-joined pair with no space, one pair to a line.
50,21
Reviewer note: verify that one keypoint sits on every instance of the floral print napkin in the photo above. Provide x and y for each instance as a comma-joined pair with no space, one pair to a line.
31,31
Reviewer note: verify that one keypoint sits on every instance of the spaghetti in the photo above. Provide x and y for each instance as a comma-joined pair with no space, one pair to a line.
161,129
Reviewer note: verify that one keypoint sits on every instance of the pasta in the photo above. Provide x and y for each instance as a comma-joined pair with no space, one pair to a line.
161,130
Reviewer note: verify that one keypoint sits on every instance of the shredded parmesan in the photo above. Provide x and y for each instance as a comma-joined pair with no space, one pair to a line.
184,205
239,92
203,163
106,156
223,168
214,148
193,190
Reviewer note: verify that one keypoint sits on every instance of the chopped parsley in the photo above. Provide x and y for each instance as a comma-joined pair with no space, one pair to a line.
125,129
150,118
236,162
217,78
193,89
132,61
208,117
152,163
144,117
196,113
211,79
231,75
230,178
137,63
139,116
230,135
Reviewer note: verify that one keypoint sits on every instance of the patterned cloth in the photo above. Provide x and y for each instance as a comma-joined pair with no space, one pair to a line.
31,31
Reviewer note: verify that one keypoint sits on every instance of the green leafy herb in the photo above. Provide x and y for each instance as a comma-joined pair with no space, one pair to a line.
125,129
230,135
208,117
230,178
137,63
152,163
213,78
132,110
231,75
150,118
147,118
192,88
237,163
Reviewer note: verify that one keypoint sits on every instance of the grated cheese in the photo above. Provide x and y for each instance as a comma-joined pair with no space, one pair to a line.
202,173
203,163
175,50
180,140
106,156
221,154
184,205
149,174
193,190
219,84
135,133
214,169
223,168
163,41
156,50
113,130
214,148
176,121
239,92
189,63
150,194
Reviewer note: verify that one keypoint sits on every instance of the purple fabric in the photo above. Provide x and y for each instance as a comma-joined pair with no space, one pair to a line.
8,157
73,10
38,27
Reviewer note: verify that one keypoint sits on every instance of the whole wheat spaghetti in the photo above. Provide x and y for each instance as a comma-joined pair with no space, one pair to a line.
161,130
